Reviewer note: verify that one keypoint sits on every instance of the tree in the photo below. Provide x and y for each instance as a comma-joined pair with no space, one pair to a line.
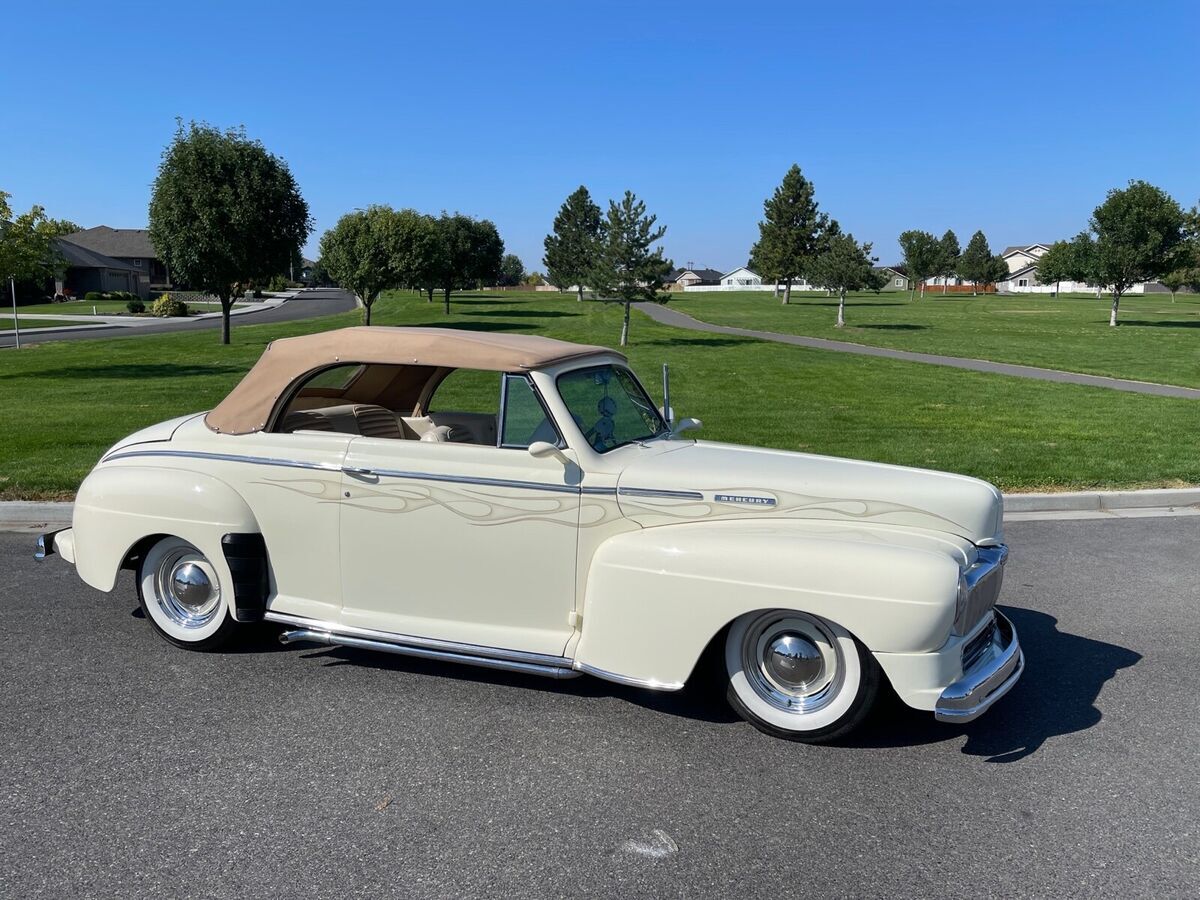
846,265
1186,271
1081,261
1057,264
466,252
995,271
371,250
948,257
1138,232
922,257
512,270
225,212
573,245
627,270
792,234
974,263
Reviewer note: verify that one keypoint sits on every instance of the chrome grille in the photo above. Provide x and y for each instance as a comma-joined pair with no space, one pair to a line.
975,648
983,586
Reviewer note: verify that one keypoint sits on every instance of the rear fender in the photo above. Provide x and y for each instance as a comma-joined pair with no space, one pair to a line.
119,506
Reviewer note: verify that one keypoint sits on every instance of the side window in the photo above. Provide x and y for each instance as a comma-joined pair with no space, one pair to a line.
524,420
466,391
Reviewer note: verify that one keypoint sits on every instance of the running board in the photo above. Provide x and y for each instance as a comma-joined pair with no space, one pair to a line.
551,668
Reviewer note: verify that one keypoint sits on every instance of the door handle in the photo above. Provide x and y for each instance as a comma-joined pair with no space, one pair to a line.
354,470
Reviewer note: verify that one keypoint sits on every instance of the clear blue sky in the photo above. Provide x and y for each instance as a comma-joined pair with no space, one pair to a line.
1007,117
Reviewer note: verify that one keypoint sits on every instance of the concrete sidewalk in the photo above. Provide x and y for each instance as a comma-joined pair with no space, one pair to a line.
33,516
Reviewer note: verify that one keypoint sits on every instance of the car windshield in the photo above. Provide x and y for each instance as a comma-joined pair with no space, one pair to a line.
609,406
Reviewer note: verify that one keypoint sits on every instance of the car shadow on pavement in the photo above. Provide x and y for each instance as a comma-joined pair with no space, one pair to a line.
1056,696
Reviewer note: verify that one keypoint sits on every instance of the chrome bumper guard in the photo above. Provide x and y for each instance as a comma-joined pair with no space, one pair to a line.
988,680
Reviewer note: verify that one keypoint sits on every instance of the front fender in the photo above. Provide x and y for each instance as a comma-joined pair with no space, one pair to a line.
656,597
119,505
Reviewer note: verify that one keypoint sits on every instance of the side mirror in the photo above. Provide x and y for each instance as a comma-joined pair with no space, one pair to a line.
544,449
688,424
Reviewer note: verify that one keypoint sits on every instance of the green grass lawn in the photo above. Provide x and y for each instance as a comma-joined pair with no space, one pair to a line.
1157,340
62,404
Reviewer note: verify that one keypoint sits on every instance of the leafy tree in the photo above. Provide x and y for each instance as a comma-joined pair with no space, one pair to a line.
225,212
792,234
1081,261
1187,259
627,270
533,279
27,249
512,270
975,261
573,245
846,265
371,250
922,257
1138,232
1056,264
948,258
1181,278
996,271
466,252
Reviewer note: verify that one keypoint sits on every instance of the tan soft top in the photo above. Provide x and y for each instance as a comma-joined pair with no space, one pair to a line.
248,406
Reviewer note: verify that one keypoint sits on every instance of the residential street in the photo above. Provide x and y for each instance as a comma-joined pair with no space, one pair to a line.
315,302
129,768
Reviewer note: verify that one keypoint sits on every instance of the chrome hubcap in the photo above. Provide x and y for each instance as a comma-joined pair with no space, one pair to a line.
187,589
792,661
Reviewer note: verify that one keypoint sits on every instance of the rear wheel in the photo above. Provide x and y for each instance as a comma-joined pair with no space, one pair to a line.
180,592
799,676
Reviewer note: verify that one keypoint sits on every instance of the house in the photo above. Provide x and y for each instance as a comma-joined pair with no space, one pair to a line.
131,246
1022,277
85,270
690,277
897,277
307,267
1022,256
741,277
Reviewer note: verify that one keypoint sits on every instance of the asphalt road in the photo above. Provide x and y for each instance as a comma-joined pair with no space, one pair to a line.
129,768
316,302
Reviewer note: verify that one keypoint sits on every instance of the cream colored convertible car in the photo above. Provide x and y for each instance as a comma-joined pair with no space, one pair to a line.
520,503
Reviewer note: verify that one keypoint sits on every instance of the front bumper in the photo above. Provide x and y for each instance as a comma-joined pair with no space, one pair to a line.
61,542
990,678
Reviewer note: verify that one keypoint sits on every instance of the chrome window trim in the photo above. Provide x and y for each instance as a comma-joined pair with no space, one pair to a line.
560,442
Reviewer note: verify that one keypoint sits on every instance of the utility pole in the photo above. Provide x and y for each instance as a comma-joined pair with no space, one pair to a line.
12,283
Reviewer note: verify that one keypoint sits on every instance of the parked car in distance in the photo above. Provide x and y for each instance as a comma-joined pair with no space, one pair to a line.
520,503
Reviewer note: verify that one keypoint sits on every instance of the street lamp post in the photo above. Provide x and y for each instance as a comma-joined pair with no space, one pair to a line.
12,283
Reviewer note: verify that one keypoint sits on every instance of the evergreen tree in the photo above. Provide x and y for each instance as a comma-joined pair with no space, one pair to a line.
846,265
922,257
948,262
792,234
573,244
974,263
627,270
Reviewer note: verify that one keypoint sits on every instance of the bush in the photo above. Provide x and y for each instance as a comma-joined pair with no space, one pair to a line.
135,306
165,307
93,297
278,283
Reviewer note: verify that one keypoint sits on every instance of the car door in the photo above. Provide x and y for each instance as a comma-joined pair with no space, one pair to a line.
466,542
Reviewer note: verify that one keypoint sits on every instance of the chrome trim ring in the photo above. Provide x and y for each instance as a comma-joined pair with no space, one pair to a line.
186,588
793,661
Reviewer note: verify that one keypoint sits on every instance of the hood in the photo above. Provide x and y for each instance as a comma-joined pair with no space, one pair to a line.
709,480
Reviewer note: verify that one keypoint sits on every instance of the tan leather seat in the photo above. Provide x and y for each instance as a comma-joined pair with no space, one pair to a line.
377,422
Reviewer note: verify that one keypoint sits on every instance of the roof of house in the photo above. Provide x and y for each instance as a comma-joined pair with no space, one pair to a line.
706,274
127,242
1022,248
78,257
739,269
248,406
898,269
1024,270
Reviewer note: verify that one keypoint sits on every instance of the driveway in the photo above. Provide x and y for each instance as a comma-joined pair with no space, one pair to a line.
129,768
308,304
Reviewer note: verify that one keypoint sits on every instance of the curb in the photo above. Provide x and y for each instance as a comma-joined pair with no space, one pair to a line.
22,515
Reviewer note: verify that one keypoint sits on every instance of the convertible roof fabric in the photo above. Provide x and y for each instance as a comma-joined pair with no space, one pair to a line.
248,406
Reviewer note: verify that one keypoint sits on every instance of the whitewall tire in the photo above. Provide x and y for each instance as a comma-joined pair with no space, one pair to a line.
182,594
799,676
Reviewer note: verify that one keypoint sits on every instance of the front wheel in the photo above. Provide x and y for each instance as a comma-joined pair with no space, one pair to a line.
180,593
798,676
